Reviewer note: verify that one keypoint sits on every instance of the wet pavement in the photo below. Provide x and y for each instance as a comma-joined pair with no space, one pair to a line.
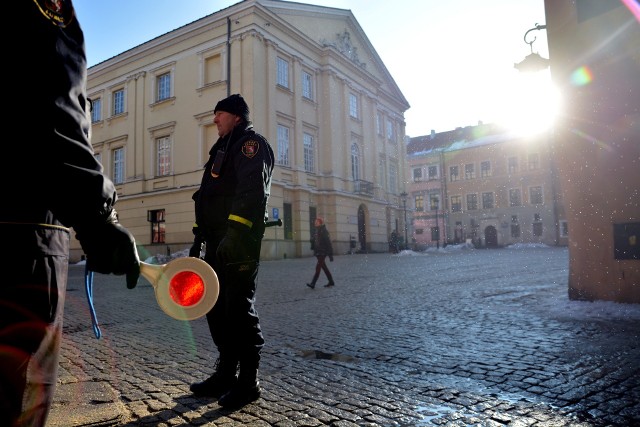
461,338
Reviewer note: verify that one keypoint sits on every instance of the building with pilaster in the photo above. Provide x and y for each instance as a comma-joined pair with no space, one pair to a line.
316,89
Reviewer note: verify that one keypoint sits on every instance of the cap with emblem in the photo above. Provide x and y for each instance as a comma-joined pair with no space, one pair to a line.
234,104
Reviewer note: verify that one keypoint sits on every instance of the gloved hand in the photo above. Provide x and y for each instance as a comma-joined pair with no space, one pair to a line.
331,258
110,249
234,246
196,248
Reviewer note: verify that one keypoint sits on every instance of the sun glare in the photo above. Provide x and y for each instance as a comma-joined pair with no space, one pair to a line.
530,104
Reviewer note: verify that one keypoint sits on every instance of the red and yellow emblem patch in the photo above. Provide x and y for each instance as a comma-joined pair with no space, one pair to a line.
250,148
60,12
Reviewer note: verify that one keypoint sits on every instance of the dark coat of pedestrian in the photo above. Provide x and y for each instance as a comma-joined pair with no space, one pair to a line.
230,211
51,182
322,248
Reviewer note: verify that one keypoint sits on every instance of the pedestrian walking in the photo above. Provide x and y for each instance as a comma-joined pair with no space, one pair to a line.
230,211
322,248
52,182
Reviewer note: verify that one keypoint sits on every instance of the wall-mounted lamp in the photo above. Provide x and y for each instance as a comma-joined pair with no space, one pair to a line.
532,62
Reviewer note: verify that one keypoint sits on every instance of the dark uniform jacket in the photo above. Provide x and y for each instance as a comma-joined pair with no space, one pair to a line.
239,192
50,174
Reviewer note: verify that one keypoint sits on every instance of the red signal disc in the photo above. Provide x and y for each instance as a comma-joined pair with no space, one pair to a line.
186,288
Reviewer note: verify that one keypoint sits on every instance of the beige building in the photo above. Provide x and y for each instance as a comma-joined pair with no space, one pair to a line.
316,89
484,185
594,49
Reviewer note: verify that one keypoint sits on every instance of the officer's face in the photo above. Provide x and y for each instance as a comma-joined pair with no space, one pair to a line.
225,122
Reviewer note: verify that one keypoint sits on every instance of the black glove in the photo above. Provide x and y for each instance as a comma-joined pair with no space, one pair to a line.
110,249
331,258
234,246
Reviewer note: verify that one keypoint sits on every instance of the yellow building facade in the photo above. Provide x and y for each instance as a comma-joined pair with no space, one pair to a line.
316,89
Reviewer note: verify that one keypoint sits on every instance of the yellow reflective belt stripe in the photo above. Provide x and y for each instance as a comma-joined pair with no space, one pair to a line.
241,220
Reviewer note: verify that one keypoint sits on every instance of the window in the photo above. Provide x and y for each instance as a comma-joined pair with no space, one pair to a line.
382,177
98,157
472,202
353,106
432,172
454,173
469,171
515,227
419,201
96,110
514,197
456,203
537,225
118,102
283,146
487,200
512,165
163,87
163,150
118,166
417,174
393,177
307,85
379,123
534,161
309,153
213,69
283,72
535,195
156,218
287,220
564,228
485,169
434,201
391,131
355,162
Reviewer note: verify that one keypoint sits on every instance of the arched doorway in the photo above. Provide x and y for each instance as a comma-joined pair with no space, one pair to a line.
362,228
491,236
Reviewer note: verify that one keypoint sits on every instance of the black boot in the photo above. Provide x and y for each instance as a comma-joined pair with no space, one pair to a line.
244,391
220,382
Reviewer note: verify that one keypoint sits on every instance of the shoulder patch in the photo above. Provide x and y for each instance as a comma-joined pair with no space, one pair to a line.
250,148
59,12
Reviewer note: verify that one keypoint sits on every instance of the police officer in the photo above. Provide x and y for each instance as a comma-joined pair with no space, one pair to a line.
51,181
230,211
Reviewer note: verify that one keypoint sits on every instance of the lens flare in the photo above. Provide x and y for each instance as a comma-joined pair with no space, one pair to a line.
186,288
582,76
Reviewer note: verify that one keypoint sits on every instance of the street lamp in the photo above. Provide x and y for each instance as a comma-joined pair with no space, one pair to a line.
532,62
404,205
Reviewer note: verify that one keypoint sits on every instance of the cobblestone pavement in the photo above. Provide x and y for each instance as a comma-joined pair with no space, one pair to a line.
461,338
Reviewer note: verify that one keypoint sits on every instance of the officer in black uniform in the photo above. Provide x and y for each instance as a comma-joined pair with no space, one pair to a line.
230,211
50,181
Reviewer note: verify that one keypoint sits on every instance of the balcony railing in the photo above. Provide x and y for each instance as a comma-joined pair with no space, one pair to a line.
363,187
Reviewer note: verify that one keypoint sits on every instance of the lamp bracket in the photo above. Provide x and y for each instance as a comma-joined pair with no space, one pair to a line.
536,27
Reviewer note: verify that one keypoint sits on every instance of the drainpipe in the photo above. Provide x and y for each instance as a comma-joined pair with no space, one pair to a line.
228,56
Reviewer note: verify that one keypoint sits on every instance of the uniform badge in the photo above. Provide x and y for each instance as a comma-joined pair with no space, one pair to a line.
250,148
59,12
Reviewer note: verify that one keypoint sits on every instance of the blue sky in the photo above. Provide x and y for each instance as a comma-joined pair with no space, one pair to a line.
452,59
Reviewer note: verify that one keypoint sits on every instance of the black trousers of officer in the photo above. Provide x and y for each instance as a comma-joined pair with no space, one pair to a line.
34,262
233,321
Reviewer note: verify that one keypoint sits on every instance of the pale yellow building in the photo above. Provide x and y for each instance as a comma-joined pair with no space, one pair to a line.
316,89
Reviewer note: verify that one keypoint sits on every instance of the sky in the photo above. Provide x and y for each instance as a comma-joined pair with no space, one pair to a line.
453,60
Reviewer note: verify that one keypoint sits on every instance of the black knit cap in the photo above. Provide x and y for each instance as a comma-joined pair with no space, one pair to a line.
234,104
